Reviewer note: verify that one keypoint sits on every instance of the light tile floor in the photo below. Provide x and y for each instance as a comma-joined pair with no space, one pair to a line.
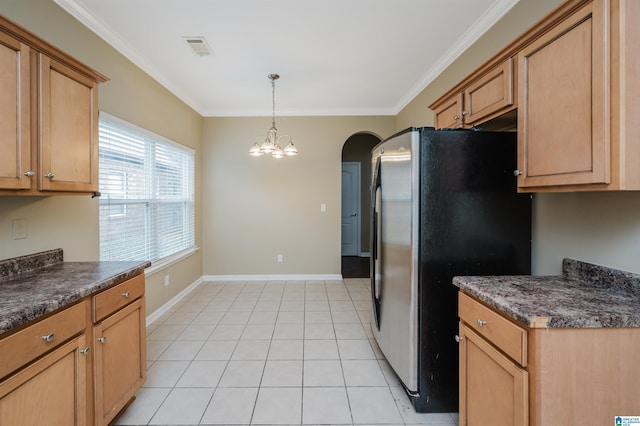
271,353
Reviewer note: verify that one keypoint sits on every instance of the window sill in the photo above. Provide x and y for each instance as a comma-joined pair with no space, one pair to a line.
169,260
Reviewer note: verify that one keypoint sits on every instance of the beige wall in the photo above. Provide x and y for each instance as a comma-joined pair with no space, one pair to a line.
602,228
257,208
72,222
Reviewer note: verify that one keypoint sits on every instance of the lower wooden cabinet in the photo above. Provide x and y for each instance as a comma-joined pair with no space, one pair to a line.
120,360
51,391
494,385
493,388
516,375
78,366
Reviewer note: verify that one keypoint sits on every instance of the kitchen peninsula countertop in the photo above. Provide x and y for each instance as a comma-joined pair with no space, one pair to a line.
35,285
584,296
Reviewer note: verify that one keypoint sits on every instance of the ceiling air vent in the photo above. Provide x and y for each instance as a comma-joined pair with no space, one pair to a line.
199,45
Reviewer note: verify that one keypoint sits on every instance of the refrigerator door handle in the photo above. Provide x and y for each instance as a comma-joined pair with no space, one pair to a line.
376,276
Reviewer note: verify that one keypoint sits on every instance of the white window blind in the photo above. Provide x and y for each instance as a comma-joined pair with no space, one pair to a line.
147,187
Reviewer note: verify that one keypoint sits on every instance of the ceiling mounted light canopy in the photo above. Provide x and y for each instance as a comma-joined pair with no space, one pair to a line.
271,144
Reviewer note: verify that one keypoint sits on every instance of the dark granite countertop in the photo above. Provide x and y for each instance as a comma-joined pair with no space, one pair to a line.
35,285
584,296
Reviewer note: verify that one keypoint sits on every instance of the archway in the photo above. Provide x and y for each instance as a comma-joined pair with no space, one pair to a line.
356,204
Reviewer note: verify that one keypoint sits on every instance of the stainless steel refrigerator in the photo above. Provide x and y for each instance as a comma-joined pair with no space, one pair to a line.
444,204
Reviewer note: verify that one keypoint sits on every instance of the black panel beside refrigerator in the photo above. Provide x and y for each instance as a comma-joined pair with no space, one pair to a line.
445,204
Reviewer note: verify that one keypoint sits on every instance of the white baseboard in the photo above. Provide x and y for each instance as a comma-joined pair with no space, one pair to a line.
274,277
174,300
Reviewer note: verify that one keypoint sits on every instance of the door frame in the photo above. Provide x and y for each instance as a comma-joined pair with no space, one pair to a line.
358,186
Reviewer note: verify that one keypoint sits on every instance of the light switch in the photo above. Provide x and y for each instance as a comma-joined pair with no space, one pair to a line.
323,207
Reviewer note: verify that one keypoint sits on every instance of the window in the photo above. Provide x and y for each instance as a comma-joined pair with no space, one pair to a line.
147,186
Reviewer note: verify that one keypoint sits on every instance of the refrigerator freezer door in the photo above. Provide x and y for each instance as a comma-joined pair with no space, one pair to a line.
394,284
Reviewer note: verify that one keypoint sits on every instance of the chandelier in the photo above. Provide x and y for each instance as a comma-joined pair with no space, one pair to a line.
271,144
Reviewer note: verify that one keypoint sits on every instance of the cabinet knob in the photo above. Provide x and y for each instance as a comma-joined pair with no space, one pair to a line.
126,294
102,339
465,113
85,351
459,338
48,338
29,174
456,117
49,175
481,323
517,172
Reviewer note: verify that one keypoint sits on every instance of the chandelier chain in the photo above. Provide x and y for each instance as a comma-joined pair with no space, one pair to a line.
273,102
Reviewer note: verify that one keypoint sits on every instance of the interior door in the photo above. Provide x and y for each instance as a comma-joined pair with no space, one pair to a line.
350,209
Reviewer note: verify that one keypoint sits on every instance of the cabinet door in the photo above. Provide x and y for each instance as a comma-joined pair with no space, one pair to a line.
50,391
491,94
15,139
563,110
493,389
68,132
120,360
448,115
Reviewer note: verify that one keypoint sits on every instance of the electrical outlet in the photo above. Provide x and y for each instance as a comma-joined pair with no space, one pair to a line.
19,229
166,280
279,258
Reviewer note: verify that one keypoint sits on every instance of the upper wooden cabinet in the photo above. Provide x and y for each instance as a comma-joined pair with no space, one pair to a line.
577,90
49,117
448,112
481,99
562,114
15,140
579,100
69,129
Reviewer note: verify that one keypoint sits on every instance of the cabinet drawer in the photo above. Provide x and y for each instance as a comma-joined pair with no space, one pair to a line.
504,334
113,299
28,344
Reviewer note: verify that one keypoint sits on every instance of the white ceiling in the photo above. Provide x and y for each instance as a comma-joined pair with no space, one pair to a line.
335,57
